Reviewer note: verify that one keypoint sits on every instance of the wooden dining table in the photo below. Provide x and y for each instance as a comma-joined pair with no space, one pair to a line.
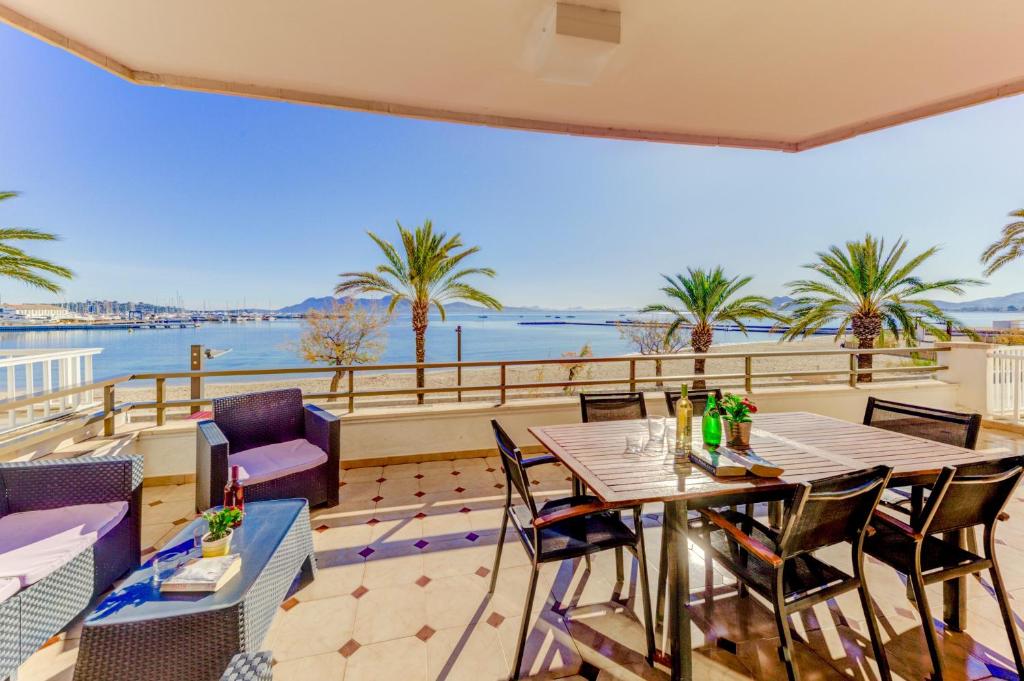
808,446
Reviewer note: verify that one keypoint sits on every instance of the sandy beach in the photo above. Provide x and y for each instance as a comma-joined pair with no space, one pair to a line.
370,381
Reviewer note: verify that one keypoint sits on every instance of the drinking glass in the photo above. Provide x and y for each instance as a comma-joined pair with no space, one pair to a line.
634,443
164,565
656,428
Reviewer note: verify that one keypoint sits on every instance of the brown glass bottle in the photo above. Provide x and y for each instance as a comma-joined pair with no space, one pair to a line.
234,494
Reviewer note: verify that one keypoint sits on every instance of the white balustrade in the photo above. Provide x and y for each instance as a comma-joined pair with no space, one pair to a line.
1006,386
28,371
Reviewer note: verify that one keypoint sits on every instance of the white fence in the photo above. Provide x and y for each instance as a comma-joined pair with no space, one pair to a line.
1006,384
24,372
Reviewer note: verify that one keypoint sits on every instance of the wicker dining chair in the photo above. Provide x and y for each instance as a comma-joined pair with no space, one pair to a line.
780,565
961,498
561,529
960,429
699,398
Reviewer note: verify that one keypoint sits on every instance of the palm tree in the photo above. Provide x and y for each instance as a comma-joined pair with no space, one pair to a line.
865,288
703,298
1010,246
17,264
427,272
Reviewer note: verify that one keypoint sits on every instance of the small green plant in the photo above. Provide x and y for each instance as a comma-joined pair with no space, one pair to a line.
221,522
736,409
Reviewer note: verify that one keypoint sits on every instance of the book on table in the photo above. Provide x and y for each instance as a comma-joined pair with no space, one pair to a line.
203,574
724,462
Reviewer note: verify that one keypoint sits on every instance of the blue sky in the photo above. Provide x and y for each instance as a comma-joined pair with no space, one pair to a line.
160,193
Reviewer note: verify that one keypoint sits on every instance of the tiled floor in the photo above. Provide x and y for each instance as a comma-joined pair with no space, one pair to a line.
402,594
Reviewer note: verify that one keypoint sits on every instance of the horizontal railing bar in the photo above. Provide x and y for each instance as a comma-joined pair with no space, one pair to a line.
42,396
521,362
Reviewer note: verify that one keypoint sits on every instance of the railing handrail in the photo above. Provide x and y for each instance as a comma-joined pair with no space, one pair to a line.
747,375
33,357
494,363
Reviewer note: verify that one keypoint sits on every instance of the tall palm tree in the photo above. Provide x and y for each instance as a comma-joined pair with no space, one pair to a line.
865,287
428,271
703,298
1008,247
19,265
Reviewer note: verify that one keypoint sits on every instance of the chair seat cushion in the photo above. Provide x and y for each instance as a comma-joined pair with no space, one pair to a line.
270,462
8,587
34,544
576,536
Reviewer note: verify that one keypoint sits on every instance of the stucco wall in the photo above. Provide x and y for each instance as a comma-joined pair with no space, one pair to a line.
463,429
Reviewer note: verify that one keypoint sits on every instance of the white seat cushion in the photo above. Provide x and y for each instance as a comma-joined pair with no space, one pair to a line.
270,462
35,543
8,587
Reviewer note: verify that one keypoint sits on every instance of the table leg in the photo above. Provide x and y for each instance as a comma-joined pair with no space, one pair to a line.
676,530
954,592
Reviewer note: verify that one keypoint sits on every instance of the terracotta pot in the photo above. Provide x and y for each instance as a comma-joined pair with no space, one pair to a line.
216,547
738,434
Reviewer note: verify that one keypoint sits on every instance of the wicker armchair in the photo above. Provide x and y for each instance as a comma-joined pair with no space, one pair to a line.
42,609
246,422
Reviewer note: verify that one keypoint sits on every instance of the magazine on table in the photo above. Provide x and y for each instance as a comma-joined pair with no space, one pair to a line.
203,574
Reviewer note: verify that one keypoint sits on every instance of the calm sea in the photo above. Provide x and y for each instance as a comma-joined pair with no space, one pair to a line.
271,344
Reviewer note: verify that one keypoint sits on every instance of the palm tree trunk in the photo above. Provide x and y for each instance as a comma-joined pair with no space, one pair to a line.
657,372
701,338
335,382
866,329
419,327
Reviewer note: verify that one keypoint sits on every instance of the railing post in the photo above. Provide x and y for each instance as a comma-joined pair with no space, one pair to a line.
502,384
458,358
853,370
1016,364
196,364
12,392
351,389
748,374
632,375
108,410
161,412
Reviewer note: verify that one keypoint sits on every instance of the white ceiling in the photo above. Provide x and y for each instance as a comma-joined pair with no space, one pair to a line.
787,74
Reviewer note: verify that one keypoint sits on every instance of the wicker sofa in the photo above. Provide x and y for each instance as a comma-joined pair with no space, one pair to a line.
286,449
84,518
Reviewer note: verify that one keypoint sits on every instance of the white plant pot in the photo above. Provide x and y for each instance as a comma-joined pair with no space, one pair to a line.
218,547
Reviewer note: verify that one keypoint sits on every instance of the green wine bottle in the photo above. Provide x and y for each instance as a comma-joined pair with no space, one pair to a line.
711,424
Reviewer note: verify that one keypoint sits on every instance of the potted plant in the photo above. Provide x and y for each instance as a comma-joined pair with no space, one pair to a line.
217,540
736,412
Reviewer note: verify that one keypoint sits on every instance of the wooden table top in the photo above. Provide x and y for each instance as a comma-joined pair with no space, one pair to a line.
808,446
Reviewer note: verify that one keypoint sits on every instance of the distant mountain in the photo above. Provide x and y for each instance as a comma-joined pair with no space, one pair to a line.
1013,302
325,302
779,301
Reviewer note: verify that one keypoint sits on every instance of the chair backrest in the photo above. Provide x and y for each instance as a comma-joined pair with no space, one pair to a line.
512,462
969,495
951,427
258,419
612,406
699,398
832,510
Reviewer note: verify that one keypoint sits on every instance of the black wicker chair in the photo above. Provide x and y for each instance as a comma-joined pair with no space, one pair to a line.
780,565
243,422
961,498
41,610
698,397
562,529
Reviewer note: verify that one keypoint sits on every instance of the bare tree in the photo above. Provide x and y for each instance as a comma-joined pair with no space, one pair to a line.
343,335
653,338
580,370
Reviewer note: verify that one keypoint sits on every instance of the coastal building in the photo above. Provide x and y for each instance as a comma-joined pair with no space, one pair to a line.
34,312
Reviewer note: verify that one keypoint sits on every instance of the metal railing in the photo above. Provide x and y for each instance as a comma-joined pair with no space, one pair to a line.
500,389
59,377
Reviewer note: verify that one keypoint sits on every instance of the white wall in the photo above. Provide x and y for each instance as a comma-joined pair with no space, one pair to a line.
464,429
